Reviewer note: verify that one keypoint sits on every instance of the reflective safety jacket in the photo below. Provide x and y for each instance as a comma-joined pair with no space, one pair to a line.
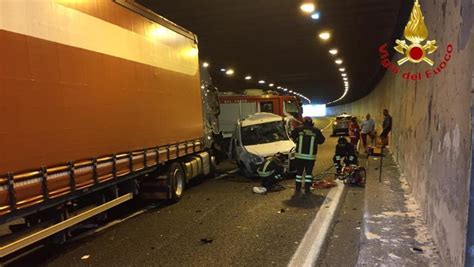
307,140
271,166
346,152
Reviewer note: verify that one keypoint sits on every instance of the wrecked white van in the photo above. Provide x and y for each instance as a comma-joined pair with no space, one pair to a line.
257,137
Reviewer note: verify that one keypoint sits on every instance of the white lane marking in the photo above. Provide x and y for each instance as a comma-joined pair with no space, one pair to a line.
226,174
313,241
327,126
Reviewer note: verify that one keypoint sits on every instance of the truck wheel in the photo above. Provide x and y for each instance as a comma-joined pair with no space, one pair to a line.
177,181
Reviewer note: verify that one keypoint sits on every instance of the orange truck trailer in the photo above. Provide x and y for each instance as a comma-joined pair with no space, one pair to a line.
89,94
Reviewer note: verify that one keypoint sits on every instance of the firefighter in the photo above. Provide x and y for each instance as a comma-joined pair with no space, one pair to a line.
271,172
307,138
344,151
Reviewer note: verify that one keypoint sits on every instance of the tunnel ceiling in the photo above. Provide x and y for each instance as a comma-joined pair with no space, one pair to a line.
275,41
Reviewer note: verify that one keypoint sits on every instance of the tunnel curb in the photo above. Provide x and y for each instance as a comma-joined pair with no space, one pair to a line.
314,240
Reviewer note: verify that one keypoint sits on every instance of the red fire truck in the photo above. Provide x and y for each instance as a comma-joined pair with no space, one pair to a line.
234,107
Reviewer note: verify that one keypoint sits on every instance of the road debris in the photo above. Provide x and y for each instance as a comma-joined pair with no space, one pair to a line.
206,241
324,184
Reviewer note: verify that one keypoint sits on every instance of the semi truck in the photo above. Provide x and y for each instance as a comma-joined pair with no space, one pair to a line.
100,101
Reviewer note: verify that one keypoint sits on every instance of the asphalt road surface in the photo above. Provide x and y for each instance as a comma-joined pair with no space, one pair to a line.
219,222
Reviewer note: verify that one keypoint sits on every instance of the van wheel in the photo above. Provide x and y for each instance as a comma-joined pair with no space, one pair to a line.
177,181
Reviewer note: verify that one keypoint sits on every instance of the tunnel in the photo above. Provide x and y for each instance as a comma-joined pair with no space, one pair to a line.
236,133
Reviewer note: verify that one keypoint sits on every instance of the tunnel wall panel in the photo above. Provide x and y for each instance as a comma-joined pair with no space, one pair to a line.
431,138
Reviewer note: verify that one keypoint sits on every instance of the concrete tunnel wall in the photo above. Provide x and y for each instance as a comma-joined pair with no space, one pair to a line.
431,137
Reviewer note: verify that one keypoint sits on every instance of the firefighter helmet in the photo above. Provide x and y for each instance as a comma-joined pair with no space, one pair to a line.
308,121
342,140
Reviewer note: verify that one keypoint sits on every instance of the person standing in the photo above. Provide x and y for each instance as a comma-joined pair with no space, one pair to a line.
368,128
354,132
387,127
307,138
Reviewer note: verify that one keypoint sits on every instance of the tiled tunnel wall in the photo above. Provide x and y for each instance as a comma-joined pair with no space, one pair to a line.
431,138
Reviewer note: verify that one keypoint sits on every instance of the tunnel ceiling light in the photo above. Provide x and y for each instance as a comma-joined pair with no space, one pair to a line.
342,69
223,70
271,85
338,61
308,8
279,87
343,75
333,51
248,77
205,64
261,82
230,72
285,89
324,36
345,78
290,91
316,15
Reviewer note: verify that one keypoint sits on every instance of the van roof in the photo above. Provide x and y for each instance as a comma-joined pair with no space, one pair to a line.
260,118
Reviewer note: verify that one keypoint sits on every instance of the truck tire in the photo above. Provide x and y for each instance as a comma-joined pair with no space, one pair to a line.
177,181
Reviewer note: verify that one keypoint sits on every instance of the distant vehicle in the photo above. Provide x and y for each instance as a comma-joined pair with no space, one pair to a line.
257,137
236,107
341,124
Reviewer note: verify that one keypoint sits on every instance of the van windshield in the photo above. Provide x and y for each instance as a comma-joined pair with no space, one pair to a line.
291,107
263,133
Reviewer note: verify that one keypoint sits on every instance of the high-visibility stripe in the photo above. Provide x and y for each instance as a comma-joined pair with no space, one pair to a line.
311,147
264,172
305,156
308,180
298,180
309,176
300,143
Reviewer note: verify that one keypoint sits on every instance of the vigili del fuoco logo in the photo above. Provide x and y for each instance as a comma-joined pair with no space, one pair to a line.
417,50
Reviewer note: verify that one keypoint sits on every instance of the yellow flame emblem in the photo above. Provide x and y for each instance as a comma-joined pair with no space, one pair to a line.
416,32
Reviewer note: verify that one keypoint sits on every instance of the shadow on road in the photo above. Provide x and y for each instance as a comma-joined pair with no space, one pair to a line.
311,201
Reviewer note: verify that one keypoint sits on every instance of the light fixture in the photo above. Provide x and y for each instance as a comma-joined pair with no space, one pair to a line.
343,74
205,64
279,87
285,89
290,91
261,82
223,70
316,15
229,72
271,85
248,77
342,69
324,36
333,51
338,61
345,78
308,8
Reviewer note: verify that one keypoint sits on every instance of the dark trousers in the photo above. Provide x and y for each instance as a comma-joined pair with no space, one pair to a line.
271,181
304,171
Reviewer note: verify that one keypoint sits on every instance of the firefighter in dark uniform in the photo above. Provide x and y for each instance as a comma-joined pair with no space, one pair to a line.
307,138
344,151
271,172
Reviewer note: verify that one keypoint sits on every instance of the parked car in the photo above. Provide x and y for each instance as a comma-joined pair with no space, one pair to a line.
259,136
341,124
